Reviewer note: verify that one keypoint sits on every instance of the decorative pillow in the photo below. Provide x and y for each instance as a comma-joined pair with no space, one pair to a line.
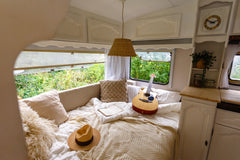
164,96
39,133
132,92
114,90
48,106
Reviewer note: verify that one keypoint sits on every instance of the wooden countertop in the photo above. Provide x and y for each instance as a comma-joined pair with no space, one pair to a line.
230,96
210,94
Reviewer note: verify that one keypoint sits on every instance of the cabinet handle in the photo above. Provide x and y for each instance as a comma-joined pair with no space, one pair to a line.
206,143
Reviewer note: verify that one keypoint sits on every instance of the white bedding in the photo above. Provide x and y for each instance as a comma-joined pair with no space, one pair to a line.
125,136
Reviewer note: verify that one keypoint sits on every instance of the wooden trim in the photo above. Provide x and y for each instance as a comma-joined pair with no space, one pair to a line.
68,51
208,94
61,65
165,41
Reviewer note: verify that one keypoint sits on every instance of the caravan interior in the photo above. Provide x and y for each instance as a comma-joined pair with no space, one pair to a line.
191,47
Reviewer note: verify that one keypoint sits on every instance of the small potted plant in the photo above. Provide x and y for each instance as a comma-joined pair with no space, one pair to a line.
203,60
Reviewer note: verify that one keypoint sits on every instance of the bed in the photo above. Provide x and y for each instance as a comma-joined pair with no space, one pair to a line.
124,135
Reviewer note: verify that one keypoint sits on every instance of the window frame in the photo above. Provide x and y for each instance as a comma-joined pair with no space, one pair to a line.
53,68
61,65
232,81
159,83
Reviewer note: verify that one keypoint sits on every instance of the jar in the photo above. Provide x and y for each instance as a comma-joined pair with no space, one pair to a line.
197,80
210,83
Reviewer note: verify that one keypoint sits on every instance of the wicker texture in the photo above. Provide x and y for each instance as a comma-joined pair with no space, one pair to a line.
122,47
114,91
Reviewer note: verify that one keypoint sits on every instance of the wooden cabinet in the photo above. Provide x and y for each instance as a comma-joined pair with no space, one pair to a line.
196,122
226,136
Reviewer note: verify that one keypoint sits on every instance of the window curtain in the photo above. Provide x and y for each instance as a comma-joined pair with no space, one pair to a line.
228,58
116,67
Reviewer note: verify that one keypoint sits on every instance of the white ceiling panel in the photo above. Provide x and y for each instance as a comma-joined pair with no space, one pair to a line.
133,8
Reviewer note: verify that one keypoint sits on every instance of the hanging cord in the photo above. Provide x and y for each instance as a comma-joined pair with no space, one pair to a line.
122,18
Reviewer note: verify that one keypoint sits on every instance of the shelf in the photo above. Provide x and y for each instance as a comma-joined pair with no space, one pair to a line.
210,70
214,38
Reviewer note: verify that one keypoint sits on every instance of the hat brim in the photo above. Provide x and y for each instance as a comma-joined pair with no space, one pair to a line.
74,146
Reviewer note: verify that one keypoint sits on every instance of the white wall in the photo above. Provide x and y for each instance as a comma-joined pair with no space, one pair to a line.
182,69
22,23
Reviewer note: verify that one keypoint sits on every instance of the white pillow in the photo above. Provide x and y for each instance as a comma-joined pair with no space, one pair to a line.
132,92
48,106
164,96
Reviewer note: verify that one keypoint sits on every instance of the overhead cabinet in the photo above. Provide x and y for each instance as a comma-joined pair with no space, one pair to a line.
82,26
173,23
72,28
155,27
100,31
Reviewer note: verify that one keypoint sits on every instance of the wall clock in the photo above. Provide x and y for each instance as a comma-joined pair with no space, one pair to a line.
213,20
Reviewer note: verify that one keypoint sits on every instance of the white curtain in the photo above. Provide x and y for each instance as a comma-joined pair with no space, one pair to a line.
228,58
116,67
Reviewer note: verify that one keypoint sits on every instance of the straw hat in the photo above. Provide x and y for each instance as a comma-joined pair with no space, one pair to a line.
84,138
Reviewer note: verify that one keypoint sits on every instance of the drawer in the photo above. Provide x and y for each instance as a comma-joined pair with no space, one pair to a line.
228,118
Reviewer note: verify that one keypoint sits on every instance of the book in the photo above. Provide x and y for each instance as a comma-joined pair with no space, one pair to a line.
110,110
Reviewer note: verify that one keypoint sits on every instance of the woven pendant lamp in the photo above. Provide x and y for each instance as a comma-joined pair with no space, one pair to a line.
121,46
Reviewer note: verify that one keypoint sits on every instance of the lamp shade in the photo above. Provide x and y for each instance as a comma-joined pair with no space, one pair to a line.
122,47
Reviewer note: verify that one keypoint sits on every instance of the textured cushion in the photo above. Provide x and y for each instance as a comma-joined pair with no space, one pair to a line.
164,96
48,106
39,133
114,91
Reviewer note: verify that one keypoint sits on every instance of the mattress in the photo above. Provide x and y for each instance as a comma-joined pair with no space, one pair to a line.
129,137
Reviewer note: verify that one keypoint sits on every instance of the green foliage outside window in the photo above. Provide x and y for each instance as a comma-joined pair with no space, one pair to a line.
29,85
235,71
141,69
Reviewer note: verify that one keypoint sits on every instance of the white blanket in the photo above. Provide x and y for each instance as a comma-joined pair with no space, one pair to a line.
140,137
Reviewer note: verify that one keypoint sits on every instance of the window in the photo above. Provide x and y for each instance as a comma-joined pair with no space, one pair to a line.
36,72
147,63
234,77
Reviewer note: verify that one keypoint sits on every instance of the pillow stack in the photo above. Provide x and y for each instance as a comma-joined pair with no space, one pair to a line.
39,132
40,116
48,106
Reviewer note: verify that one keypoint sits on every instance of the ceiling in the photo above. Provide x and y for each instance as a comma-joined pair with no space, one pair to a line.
133,8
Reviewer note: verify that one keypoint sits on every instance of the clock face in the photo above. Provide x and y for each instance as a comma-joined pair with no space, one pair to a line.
212,22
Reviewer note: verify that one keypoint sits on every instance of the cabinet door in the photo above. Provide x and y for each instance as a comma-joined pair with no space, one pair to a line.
195,129
225,143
